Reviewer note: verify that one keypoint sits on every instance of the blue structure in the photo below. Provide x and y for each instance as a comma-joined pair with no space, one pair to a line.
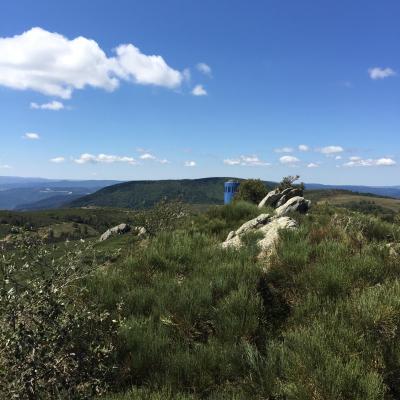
231,187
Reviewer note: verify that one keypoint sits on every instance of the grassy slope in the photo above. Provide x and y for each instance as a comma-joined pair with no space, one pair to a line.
322,323
197,322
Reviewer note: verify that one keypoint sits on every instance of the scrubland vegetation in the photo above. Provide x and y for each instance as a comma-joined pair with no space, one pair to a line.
174,316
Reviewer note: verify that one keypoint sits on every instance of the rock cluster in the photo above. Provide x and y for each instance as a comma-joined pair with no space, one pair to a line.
286,201
269,226
122,229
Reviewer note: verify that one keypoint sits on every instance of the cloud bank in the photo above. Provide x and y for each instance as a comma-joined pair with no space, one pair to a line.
54,65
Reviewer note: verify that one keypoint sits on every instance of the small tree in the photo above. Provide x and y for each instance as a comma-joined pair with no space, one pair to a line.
251,190
288,182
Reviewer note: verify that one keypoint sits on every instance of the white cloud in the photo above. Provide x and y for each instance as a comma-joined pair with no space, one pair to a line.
284,150
86,158
303,147
190,163
151,157
5,166
381,73
330,150
369,162
232,161
57,160
147,156
312,165
52,64
338,157
204,68
54,106
31,136
251,161
289,160
199,90
145,70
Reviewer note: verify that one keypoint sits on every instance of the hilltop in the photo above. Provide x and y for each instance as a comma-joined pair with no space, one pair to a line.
144,194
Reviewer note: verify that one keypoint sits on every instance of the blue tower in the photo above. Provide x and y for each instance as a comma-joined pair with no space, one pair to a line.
230,189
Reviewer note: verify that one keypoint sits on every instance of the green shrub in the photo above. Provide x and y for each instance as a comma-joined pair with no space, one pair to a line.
251,190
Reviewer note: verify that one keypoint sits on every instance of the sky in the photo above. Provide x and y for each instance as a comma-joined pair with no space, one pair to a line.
169,89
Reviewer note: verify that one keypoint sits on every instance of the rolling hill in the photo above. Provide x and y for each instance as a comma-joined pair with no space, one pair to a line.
144,194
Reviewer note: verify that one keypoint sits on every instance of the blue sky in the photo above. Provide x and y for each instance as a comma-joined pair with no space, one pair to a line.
185,89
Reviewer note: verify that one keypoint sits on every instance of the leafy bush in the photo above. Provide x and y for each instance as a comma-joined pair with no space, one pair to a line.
53,342
251,190
165,215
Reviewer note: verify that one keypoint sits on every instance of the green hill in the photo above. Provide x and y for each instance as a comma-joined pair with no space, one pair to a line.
144,194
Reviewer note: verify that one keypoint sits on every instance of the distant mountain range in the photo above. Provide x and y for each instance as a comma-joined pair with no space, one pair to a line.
37,193
386,191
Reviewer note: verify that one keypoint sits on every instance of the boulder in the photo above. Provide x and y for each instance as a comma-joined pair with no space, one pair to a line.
287,194
269,227
297,203
270,199
271,233
233,238
140,231
116,230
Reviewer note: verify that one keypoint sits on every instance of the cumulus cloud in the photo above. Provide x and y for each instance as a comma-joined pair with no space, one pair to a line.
331,150
369,162
199,90
381,73
303,147
204,68
31,136
147,156
251,161
57,160
87,158
53,106
54,65
312,165
143,69
190,163
289,160
151,157
284,150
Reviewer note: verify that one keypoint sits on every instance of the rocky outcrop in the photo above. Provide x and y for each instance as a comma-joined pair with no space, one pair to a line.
270,199
140,231
276,198
298,203
288,194
233,238
116,230
271,233
264,224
